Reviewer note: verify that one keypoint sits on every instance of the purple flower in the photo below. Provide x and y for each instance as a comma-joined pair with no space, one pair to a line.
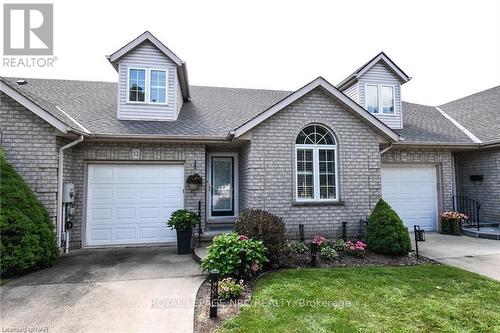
243,237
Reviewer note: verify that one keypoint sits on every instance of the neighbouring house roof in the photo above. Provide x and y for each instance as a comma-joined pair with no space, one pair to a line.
479,113
143,38
348,81
425,124
331,91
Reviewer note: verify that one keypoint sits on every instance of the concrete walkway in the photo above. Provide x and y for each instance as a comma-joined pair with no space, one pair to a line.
147,289
473,254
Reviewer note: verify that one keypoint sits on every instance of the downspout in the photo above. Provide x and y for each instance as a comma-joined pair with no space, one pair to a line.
60,172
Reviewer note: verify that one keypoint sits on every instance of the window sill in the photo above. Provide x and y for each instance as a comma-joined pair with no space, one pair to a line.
318,203
147,103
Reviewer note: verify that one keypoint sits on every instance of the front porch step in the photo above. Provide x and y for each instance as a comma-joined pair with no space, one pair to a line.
208,235
482,225
489,232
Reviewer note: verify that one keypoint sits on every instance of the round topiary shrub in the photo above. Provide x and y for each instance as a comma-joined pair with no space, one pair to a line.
386,232
27,233
262,225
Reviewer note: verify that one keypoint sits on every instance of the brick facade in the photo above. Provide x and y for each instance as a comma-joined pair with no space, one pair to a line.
266,165
487,192
30,147
270,163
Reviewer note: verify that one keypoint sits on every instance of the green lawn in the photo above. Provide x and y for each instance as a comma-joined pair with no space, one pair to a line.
383,299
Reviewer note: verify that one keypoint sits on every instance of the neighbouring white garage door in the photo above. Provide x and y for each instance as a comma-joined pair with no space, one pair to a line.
130,203
412,193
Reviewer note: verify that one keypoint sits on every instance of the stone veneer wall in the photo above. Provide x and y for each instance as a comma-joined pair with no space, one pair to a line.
154,152
270,167
487,192
440,157
30,147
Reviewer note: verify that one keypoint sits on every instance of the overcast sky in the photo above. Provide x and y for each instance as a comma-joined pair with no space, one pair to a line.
449,48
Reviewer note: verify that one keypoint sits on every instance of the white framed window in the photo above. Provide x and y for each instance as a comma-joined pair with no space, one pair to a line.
380,99
137,85
147,86
387,99
316,165
372,98
158,86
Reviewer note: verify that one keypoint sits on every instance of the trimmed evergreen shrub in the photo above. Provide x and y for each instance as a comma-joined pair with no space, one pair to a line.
262,225
386,232
27,233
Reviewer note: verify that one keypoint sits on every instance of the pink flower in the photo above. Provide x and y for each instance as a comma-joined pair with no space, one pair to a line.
254,267
226,289
243,237
319,240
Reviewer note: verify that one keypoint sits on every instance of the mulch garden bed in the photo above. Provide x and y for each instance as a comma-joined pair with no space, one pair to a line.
225,311
299,260
228,310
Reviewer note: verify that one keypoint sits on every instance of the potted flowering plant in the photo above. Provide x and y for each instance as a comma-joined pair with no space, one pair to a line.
194,181
451,222
183,221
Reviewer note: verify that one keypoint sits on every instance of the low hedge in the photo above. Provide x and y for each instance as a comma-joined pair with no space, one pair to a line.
27,233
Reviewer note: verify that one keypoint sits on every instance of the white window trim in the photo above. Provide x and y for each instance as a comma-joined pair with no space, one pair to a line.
379,98
316,183
147,85
166,85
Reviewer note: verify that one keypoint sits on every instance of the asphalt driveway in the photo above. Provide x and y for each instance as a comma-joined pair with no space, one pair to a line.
143,289
477,255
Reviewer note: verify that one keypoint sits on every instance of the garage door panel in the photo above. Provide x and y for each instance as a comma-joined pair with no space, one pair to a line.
125,213
125,233
412,193
125,193
130,204
101,234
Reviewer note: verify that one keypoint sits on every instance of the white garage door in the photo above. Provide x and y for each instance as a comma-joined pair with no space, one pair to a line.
130,203
412,193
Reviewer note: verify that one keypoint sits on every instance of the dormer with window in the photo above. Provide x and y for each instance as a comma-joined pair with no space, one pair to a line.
152,80
377,87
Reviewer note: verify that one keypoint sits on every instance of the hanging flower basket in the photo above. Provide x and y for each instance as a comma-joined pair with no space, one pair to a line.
194,181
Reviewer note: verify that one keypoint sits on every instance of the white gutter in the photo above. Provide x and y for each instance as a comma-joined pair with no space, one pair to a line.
460,127
60,172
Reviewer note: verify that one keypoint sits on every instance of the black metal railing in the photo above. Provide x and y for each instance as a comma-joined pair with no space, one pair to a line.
469,207
200,231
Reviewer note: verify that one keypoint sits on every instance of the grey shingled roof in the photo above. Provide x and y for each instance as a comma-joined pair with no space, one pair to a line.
45,104
422,123
212,111
479,113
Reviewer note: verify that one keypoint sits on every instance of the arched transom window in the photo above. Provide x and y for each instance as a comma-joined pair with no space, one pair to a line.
316,164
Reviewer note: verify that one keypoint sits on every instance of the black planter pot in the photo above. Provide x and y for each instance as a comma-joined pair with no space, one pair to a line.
184,241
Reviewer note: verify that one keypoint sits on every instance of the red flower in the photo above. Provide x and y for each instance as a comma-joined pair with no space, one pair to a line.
243,237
